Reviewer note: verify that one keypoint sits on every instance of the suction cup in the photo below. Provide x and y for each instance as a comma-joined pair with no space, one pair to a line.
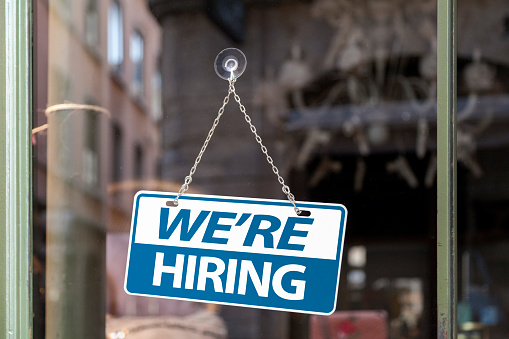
230,63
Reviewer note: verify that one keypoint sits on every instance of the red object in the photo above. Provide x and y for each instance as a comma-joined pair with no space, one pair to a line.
350,325
347,327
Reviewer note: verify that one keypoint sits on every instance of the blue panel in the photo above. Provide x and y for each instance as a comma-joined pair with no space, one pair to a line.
319,276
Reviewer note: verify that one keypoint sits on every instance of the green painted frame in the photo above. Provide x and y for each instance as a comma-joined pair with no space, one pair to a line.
15,169
446,169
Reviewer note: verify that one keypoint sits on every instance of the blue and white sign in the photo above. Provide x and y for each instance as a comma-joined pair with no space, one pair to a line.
236,251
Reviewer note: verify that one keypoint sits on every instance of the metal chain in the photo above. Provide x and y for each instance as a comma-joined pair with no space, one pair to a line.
285,189
188,179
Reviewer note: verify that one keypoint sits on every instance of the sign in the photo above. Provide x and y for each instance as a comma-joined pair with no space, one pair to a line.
236,251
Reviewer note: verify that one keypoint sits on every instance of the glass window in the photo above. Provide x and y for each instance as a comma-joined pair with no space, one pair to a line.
156,94
138,161
117,153
344,95
136,54
115,36
92,24
483,171
91,150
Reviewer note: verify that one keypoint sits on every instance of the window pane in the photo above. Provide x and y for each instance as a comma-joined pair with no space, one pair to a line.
342,93
138,161
91,148
92,24
115,36
483,177
156,94
136,53
117,151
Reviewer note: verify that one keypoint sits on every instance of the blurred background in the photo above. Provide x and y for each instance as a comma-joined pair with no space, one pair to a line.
343,94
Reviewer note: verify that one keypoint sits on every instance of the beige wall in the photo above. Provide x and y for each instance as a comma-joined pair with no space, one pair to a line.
80,73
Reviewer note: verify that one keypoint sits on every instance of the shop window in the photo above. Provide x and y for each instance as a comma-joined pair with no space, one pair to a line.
344,93
92,24
115,37
136,55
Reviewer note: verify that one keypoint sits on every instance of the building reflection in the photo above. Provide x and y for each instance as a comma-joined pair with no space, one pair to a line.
99,59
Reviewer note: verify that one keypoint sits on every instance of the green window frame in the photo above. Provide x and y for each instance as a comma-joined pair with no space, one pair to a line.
15,169
446,169
16,186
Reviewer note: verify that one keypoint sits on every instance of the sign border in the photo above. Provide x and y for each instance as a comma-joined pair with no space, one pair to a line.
218,198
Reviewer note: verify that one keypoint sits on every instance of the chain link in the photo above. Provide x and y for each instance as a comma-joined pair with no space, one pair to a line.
189,179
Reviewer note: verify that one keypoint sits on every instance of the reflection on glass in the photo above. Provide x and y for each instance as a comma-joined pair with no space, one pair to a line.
483,155
136,53
76,227
357,256
156,94
90,152
117,151
95,144
92,24
344,95
138,161
115,36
